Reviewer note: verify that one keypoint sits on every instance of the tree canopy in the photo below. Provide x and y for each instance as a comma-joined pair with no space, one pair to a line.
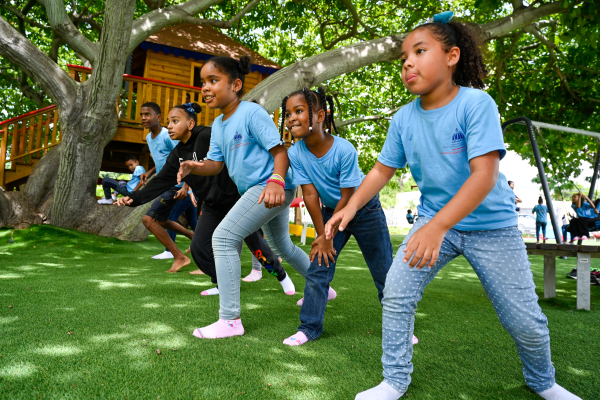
547,70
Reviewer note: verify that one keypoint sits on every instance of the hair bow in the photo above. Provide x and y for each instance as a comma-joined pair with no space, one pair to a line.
189,108
443,17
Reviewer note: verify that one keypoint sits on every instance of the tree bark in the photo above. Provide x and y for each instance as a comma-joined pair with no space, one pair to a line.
91,121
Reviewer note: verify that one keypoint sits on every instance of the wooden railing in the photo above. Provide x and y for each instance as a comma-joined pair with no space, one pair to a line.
137,90
27,138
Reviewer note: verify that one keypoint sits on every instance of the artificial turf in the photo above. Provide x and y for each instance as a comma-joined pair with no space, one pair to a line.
83,316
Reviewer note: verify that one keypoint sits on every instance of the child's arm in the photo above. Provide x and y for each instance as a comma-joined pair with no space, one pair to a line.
579,199
146,175
139,185
591,203
204,168
274,194
375,180
426,242
182,193
322,248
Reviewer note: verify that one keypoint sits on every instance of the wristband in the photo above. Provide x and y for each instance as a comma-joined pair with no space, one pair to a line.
277,176
277,181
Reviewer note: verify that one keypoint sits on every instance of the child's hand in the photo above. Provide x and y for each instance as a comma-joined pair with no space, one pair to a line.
322,248
185,168
339,221
181,194
193,199
143,178
123,201
425,244
273,195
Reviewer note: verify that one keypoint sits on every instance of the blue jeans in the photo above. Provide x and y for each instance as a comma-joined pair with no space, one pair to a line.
564,233
245,218
191,215
370,230
109,184
500,261
540,226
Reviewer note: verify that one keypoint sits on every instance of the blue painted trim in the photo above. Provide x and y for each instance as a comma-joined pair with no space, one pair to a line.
197,55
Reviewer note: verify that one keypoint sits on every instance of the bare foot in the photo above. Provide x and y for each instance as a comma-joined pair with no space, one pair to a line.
188,250
179,263
197,272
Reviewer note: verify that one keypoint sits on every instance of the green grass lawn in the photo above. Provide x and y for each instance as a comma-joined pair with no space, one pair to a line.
83,316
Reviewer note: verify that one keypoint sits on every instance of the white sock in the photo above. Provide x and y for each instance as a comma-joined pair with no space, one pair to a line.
383,391
558,392
288,286
210,292
163,256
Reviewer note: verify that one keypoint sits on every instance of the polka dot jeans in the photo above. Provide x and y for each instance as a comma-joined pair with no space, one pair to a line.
500,261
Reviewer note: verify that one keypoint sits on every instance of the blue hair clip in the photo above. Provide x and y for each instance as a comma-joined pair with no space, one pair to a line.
189,108
443,17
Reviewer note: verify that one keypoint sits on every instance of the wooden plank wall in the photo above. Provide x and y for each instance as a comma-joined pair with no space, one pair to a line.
169,68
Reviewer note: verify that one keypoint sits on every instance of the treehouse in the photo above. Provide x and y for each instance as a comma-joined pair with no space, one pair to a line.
164,69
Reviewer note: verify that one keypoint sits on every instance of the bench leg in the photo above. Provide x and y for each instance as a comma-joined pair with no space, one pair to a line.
583,281
549,277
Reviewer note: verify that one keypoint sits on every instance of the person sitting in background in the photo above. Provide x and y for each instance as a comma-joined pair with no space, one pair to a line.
410,217
541,219
566,227
122,187
586,214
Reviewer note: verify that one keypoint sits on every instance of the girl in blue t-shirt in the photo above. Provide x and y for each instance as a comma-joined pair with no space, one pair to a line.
245,140
451,138
541,219
326,167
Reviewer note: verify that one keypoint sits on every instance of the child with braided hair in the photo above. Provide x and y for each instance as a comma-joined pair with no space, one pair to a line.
326,167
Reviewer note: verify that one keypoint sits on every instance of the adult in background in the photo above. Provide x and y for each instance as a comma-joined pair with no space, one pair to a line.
517,199
541,220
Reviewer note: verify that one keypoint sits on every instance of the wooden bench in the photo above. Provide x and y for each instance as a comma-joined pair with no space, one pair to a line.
584,256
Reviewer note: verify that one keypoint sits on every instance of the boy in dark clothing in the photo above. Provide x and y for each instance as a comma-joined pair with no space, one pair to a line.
217,194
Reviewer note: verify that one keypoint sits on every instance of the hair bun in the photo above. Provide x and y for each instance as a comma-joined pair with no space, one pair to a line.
197,108
245,65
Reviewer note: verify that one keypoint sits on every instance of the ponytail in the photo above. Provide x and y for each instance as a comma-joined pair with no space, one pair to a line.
192,110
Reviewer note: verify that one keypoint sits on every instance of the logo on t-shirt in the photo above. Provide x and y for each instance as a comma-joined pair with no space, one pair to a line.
458,143
237,137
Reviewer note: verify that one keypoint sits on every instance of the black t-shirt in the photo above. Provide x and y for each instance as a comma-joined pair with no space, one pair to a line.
218,190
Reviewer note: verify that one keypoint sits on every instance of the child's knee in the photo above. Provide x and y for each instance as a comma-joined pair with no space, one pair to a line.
147,221
223,237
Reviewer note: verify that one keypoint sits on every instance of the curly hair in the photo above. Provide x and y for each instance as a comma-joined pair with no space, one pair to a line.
470,69
315,101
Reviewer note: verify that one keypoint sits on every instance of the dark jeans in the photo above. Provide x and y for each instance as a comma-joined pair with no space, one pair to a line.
540,225
109,184
370,230
186,207
564,233
202,249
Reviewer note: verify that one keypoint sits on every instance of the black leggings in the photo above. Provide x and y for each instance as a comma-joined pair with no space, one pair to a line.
202,250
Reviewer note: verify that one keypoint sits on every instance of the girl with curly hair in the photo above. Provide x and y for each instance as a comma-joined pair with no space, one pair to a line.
451,138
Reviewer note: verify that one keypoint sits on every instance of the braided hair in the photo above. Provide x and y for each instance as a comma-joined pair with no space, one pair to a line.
316,101
192,110
470,69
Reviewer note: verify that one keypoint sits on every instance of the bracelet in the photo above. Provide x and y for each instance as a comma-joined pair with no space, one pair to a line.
277,176
277,181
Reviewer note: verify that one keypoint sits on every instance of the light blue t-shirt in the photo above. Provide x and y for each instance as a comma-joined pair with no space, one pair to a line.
586,210
160,147
438,145
135,178
335,170
541,213
243,142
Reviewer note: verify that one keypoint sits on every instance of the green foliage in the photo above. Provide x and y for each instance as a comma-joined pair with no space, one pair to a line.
526,78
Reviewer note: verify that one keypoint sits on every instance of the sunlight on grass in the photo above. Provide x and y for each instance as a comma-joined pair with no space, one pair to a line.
155,328
19,370
103,285
108,338
9,275
8,320
58,350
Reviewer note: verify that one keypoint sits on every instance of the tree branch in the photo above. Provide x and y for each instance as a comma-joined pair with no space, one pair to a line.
353,29
222,24
64,27
161,18
385,115
31,60
19,14
521,18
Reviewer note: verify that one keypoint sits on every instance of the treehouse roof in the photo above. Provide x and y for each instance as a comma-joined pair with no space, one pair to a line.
205,40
